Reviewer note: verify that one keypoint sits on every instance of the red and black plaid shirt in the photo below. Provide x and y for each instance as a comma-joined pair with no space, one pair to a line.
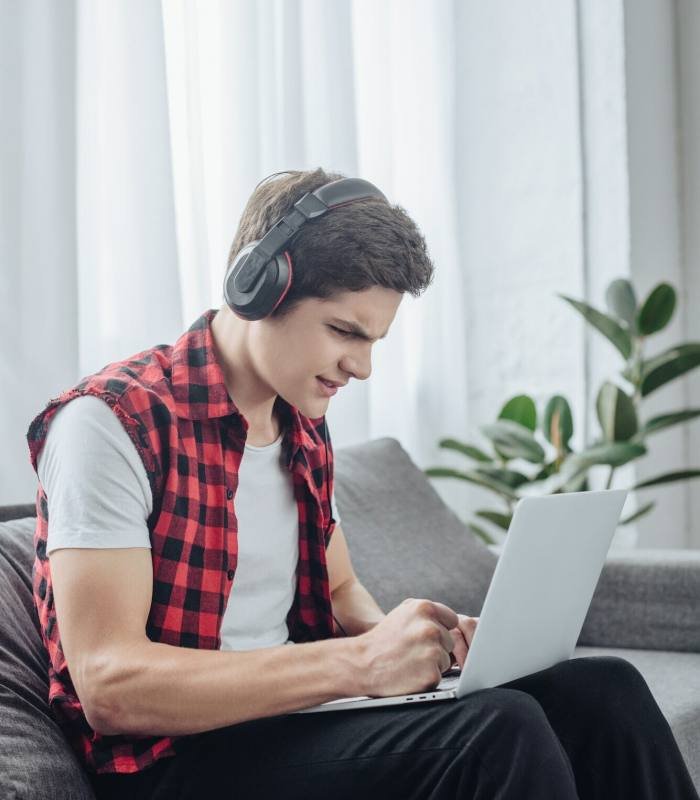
173,403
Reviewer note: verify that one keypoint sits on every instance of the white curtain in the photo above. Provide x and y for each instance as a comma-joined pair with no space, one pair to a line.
137,130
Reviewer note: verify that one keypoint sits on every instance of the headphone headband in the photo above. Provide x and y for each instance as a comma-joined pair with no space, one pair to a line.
259,277
312,205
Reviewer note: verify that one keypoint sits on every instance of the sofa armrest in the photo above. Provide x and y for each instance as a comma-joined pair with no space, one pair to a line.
646,599
17,511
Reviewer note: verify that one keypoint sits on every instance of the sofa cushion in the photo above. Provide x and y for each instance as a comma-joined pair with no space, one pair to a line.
404,541
36,760
674,680
647,600
17,511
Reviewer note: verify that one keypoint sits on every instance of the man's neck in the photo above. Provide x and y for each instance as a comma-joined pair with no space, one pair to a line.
264,436
264,424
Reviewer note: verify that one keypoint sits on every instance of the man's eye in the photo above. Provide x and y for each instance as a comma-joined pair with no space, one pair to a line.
341,331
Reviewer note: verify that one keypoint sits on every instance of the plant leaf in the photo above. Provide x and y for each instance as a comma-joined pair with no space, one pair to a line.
584,486
579,483
609,327
481,533
657,310
669,365
616,413
622,302
558,422
546,471
556,483
666,420
614,454
514,440
466,449
484,481
640,512
510,477
502,520
669,477
520,409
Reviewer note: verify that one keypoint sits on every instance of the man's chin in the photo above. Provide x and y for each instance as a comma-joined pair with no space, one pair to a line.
315,409
309,407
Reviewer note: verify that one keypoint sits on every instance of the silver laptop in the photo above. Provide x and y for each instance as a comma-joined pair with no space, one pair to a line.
537,600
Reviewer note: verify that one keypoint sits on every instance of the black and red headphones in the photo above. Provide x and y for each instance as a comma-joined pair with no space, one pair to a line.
259,277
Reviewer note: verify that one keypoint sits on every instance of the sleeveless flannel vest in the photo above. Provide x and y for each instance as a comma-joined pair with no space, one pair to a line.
173,403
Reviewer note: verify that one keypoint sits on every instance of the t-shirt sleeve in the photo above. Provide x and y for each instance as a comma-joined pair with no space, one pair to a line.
334,508
96,485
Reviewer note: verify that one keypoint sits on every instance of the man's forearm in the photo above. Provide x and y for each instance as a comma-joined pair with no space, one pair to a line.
355,608
158,689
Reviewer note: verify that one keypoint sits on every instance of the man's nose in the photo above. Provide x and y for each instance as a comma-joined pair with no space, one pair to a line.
359,367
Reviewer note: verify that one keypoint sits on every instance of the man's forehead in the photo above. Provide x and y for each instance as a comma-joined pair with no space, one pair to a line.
367,314
356,328
375,303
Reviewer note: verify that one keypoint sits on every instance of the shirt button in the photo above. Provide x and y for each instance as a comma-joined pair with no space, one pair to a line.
229,574
229,493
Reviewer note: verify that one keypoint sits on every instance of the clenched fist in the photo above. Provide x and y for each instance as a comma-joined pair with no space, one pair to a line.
412,646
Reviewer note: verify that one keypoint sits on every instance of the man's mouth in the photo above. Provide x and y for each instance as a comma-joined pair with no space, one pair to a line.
327,387
331,383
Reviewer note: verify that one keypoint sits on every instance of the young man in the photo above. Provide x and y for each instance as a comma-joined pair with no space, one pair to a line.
187,532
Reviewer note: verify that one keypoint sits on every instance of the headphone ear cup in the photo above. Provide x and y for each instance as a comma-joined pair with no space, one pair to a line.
233,269
268,291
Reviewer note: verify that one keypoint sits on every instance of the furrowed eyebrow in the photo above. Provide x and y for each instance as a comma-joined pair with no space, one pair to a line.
357,329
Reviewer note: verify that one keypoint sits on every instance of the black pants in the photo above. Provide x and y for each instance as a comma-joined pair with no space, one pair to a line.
585,728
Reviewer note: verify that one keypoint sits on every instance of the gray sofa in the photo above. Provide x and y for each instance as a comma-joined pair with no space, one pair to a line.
404,542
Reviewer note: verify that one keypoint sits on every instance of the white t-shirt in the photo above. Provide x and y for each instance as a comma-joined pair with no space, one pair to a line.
99,496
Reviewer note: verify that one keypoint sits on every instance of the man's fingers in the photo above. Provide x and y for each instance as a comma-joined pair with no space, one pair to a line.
468,627
448,621
459,650
462,635
456,630
446,639
445,615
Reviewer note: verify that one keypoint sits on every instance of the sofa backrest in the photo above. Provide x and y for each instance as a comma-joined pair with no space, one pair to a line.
404,541
8,513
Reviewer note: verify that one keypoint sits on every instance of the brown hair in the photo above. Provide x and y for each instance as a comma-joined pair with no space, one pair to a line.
351,248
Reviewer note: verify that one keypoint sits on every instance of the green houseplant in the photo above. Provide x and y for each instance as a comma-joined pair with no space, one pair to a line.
531,454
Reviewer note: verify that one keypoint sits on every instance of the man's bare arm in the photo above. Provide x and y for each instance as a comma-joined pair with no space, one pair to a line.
355,608
130,685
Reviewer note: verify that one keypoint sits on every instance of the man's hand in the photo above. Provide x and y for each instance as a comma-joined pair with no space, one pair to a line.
462,636
408,650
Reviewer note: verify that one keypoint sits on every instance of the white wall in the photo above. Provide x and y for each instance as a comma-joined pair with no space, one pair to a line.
654,112
688,64
542,202
605,200
520,212
568,161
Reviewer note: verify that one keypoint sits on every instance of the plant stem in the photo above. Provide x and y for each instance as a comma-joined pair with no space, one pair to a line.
637,361
610,477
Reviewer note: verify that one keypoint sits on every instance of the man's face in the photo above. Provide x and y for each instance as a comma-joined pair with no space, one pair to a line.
316,339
